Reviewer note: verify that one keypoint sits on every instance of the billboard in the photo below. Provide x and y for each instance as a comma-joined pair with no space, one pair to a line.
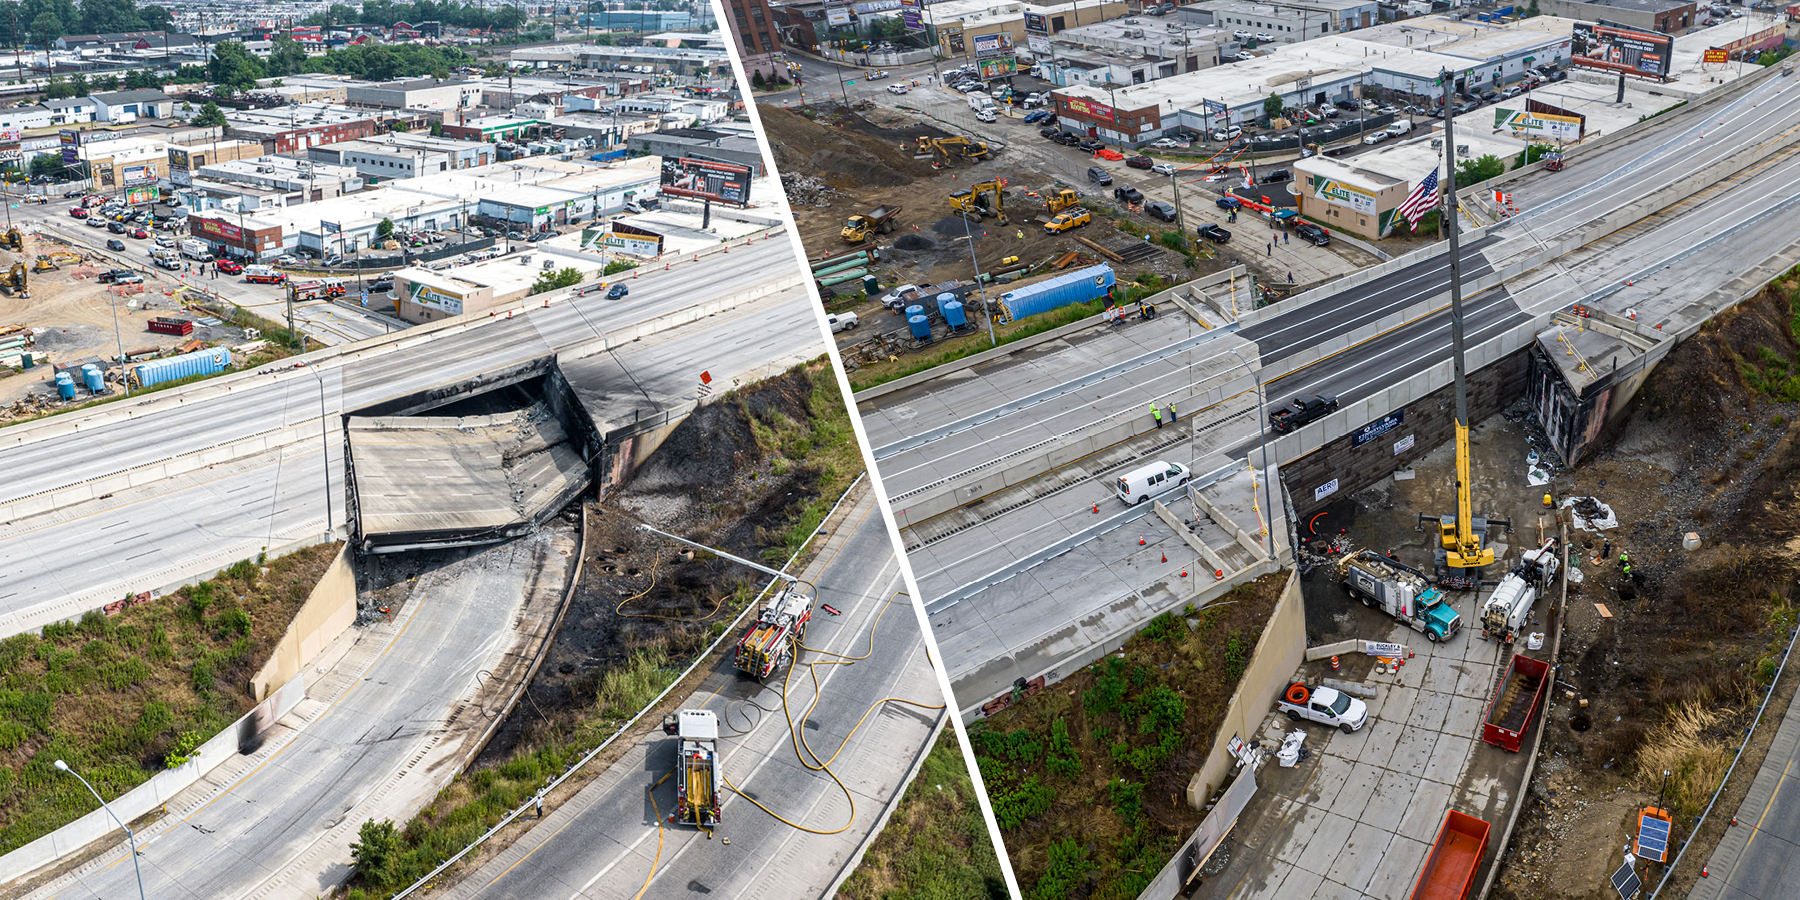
993,45
144,174
443,301
1038,44
1535,124
222,230
1087,108
1344,195
837,15
11,135
685,176
998,67
1716,55
1621,50
141,195
71,147
626,239
909,15
1037,23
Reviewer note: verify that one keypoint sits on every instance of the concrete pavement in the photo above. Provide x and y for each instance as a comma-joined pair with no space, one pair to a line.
370,740
607,841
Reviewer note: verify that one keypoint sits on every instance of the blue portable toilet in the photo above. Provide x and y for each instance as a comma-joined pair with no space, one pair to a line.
65,385
953,313
921,327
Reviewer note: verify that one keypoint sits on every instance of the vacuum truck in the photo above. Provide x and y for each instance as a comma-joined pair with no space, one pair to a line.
1509,607
1401,591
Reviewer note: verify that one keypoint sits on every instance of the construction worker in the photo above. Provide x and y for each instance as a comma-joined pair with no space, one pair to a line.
1625,562
1021,234
1172,416
1156,412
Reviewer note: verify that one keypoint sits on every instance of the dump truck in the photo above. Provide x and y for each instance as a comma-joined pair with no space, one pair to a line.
1515,702
880,220
1402,592
1324,705
697,766
1301,411
774,638
1454,858
1509,607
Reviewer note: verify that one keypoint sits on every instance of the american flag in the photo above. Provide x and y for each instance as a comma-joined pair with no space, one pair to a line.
1424,199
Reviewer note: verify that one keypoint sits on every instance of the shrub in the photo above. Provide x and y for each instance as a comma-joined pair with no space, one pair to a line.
186,745
1067,866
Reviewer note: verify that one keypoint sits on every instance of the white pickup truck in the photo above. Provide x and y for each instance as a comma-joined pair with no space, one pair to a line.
1325,706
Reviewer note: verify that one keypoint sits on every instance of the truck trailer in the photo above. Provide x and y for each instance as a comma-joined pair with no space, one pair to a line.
1454,858
1509,607
1515,702
775,636
696,767
1402,592
1079,286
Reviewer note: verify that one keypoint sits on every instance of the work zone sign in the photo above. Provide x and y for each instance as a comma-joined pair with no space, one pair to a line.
1344,195
1562,128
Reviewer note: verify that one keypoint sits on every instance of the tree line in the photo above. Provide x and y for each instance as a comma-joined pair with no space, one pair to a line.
236,68
40,22
387,13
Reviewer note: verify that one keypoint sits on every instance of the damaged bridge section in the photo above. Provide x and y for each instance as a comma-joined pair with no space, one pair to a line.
1585,366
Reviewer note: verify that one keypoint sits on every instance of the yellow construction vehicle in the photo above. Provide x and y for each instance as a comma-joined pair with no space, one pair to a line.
1073,218
1061,200
973,202
64,258
953,147
44,264
14,282
12,240
860,228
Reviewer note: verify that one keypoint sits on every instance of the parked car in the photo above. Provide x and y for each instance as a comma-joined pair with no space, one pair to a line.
1169,143
1092,144
1227,201
229,266
1163,168
120,276
115,244
164,241
516,235
1157,209
1066,139
1050,133
1140,162
1375,137
542,236
1488,96
897,89
287,260
1228,133
1276,176
1125,193
1345,105
116,227
617,291
1264,38
1041,115
1312,234
1213,233
1099,176
841,321
140,233
78,213
1242,35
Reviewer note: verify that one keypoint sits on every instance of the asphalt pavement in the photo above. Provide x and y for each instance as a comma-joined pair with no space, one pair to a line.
1759,859
609,840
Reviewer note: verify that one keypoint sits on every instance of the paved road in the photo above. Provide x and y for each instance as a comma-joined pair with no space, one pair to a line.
373,745
606,841
83,554
1760,858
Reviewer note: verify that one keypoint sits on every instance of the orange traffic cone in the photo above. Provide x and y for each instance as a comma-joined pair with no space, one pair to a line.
1165,557
1140,540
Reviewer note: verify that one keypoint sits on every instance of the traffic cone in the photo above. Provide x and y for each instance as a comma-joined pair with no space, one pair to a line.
1704,873
1184,571
1140,540
1734,820
1096,508
1334,664
1165,557
1218,574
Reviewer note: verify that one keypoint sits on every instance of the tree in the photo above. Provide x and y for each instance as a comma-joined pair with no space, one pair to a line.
46,28
286,56
46,164
1273,106
140,79
58,88
437,129
107,82
233,67
79,84
377,851
1475,171
209,116
550,281
385,229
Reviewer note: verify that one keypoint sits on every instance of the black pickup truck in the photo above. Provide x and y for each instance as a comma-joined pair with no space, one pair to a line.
1301,411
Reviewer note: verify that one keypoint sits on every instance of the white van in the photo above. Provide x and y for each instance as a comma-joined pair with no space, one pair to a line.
979,100
1148,480
1400,127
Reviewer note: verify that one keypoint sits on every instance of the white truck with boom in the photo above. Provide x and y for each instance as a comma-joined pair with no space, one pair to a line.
1509,607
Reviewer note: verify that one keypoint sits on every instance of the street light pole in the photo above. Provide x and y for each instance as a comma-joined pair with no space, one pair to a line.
980,286
324,446
1262,433
129,837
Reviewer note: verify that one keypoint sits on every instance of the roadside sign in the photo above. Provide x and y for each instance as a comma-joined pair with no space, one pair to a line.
1378,648
1325,490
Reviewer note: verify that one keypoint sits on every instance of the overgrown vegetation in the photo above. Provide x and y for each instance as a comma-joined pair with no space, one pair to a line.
1775,371
1474,171
936,843
556,280
1088,779
823,447
123,697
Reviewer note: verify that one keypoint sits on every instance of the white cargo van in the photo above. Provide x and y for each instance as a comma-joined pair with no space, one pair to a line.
979,100
196,249
1148,480
1400,127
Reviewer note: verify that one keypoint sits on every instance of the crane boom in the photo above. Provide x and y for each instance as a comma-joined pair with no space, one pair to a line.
1468,551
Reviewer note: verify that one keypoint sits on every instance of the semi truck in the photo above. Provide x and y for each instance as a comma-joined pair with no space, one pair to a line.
1323,705
1515,702
774,638
1402,592
1454,858
1301,411
880,220
1079,286
1509,607
697,766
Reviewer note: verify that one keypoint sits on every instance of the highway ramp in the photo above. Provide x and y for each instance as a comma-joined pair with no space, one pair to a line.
607,842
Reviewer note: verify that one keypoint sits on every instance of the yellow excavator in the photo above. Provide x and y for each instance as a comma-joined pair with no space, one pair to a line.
1061,200
45,264
974,203
953,147
12,240
14,282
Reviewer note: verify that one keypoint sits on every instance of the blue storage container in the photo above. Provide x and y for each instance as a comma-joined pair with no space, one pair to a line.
942,299
65,385
921,327
1079,286
187,365
914,310
953,313
90,376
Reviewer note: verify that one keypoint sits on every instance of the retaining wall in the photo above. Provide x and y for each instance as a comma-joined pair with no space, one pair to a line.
1277,655
327,613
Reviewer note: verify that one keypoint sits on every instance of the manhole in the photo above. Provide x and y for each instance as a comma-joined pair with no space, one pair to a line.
1579,722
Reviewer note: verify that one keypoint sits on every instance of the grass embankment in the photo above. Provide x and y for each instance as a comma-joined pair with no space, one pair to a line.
874,374
121,698
936,843
1088,778
823,448
1775,373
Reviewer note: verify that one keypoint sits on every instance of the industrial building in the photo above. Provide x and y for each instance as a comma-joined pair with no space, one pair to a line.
757,36
288,129
1130,51
736,145
184,161
413,93
403,155
1666,16
1287,21
274,181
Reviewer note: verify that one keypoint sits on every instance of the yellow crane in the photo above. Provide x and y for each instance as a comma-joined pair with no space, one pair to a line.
973,201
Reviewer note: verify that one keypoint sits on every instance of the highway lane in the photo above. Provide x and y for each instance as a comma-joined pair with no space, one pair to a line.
283,828
132,433
606,842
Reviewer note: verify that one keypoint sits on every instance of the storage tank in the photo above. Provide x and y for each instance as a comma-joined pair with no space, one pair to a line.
65,385
921,326
953,313
1079,286
944,298
90,376
187,365
914,310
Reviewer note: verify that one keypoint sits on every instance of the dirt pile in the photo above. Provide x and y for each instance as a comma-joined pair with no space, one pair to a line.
843,150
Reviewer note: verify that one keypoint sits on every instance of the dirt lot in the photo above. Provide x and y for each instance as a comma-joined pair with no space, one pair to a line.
70,314
1088,778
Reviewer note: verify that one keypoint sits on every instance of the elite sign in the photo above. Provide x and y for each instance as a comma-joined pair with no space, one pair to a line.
1562,128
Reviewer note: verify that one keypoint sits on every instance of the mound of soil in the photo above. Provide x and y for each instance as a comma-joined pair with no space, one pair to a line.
914,242
848,156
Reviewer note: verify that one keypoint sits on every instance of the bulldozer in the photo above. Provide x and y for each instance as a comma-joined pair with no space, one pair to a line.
14,282
12,240
973,202
1059,201
951,148
45,264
